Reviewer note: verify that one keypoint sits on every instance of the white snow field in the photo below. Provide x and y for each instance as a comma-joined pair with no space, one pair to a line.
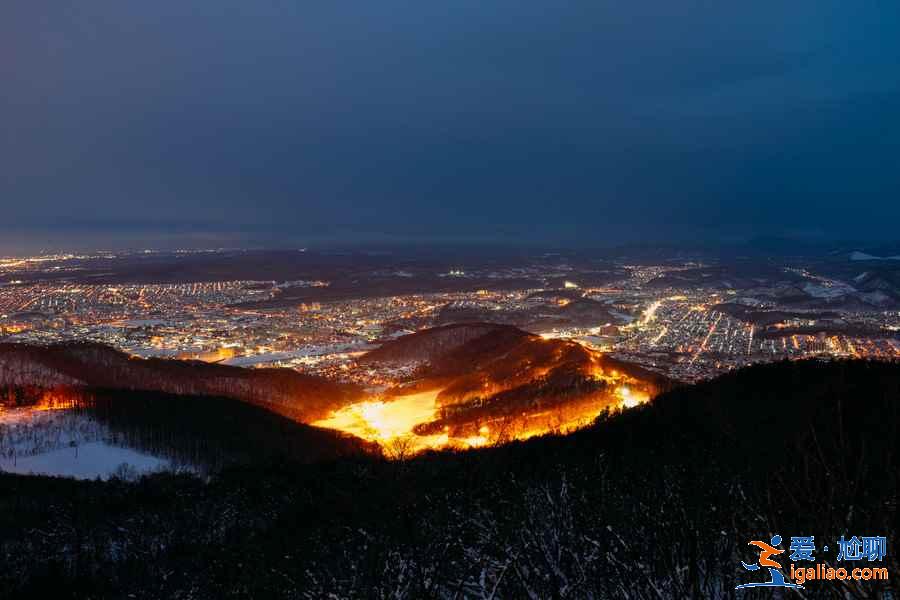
67,444
86,461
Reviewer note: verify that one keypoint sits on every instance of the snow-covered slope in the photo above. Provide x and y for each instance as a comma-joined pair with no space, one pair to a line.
857,255
69,444
86,461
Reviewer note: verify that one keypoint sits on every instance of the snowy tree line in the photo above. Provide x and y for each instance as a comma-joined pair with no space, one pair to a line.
657,502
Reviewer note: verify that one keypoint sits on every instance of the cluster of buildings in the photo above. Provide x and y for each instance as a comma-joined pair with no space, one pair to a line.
688,338
685,334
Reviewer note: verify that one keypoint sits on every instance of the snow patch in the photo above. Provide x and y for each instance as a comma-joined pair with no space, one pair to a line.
857,255
67,443
821,291
85,461
876,298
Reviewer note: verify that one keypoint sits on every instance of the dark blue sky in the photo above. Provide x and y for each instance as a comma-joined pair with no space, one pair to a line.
569,122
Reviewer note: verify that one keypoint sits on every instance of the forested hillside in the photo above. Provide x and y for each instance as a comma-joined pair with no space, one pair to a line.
657,502
296,395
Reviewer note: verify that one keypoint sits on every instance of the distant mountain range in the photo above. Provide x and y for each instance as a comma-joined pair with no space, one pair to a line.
870,285
857,255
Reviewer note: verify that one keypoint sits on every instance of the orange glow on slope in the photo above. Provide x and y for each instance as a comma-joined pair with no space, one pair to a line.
631,398
50,399
384,422
47,400
392,423
526,392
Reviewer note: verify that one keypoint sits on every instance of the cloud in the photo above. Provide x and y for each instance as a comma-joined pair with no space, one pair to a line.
548,119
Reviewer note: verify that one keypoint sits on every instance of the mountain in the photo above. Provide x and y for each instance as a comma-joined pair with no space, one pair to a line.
498,379
857,255
287,392
553,309
886,281
87,432
875,288
736,275
659,501
425,345
213,432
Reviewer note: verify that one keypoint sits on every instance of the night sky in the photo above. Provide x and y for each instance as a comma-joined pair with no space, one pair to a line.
578,123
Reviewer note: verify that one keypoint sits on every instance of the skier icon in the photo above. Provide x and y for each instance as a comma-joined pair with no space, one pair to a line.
765,552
